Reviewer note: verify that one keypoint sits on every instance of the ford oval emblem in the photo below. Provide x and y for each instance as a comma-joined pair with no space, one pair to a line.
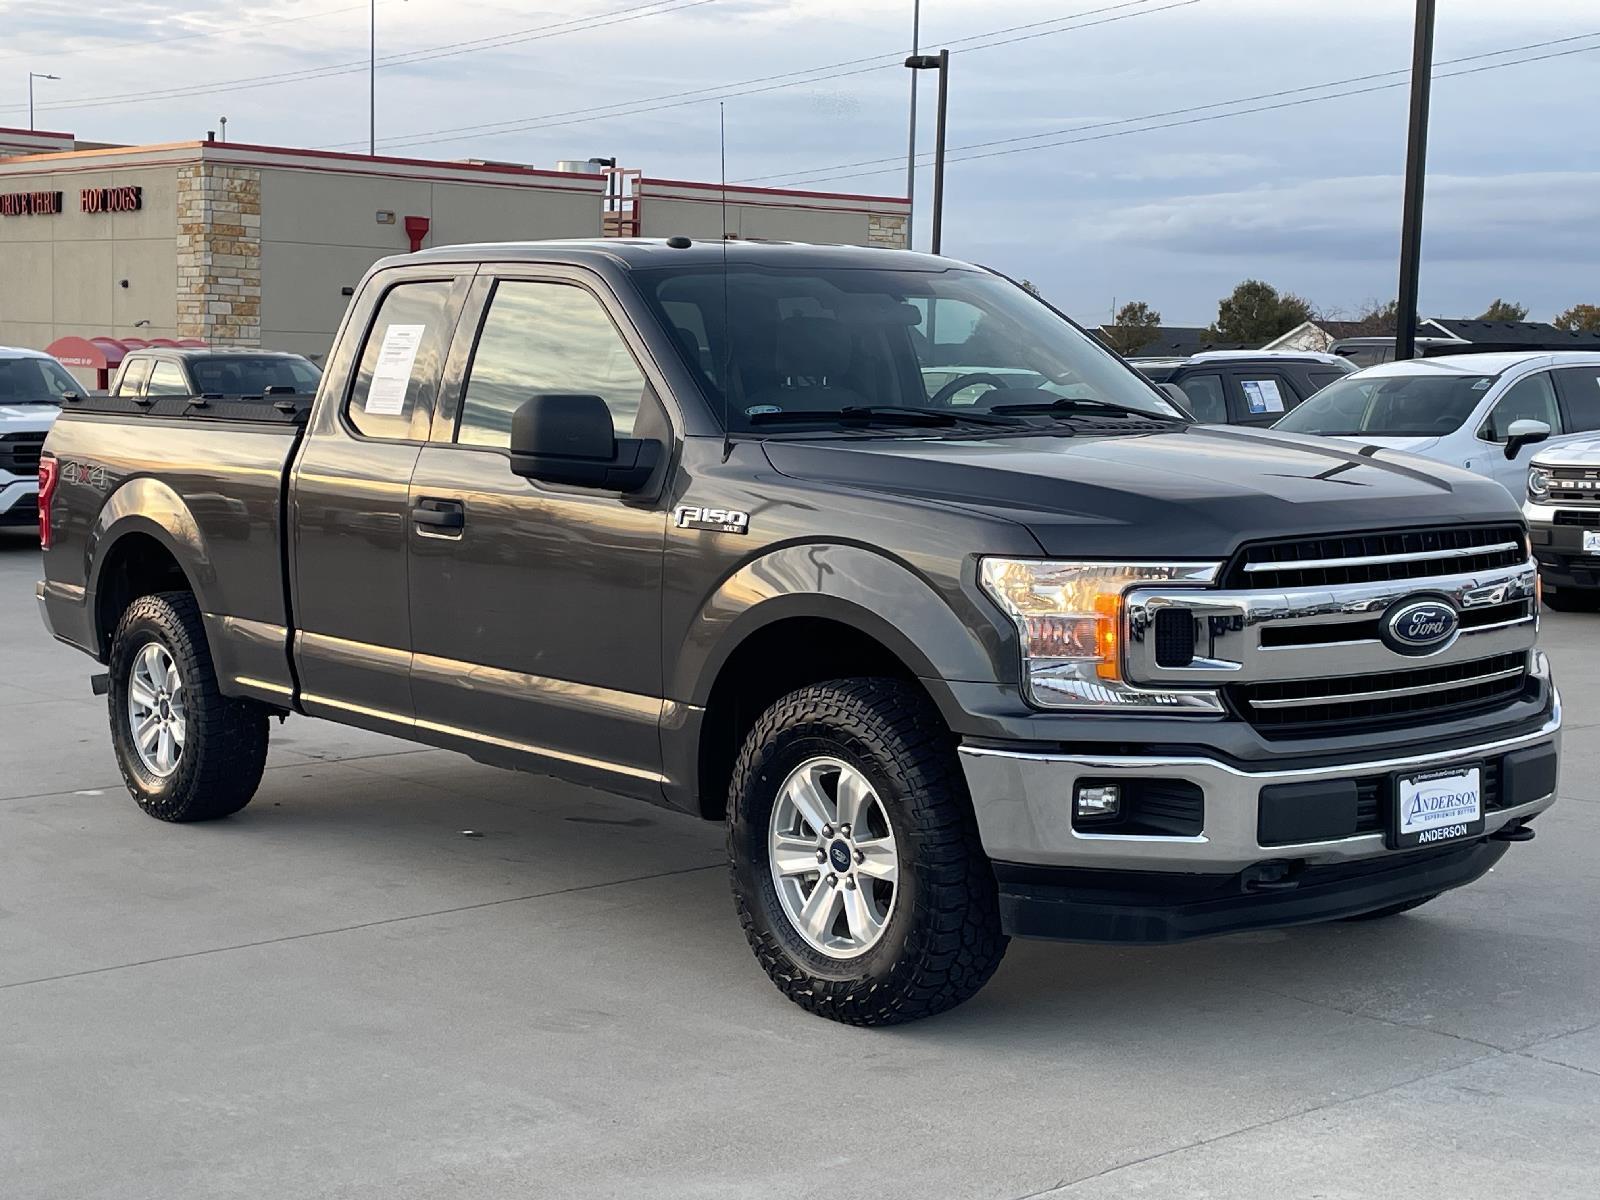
1420,626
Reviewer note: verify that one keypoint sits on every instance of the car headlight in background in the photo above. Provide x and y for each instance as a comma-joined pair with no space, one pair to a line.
1538,484
1069,619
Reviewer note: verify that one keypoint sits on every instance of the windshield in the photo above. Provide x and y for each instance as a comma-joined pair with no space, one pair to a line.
831,341
34,381
1431,404
243,375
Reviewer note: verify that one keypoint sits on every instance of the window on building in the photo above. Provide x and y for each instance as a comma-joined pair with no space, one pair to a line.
399,373
167,380
545,337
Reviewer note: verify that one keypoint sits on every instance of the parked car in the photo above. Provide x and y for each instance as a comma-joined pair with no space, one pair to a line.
1244,387
214,371
32,385
688,522
1484,413
1563,513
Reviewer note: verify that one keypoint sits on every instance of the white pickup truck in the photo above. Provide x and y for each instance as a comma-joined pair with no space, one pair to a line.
1563,511
31,387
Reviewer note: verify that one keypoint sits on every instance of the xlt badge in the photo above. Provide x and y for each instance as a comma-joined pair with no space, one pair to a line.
719,520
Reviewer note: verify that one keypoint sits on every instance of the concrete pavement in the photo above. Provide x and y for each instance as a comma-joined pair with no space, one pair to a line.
338,993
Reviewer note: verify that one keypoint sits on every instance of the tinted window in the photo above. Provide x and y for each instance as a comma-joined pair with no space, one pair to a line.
545,337
399,372
1321,379
1423,404
247,375
1529,399
817,340
1580,396
34,381
1206,399
133,377
167,380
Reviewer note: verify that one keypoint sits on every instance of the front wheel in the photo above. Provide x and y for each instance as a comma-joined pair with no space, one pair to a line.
857,869
187,752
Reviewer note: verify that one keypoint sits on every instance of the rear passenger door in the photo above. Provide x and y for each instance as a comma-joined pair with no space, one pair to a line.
351,509
536,612
1259,397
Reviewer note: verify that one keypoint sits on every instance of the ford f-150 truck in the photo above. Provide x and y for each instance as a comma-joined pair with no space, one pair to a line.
1018,652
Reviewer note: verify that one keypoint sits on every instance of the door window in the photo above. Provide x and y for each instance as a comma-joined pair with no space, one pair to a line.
133,377
1580,397
1529,399
1265,397
399,372
545,337
167,380
1206,399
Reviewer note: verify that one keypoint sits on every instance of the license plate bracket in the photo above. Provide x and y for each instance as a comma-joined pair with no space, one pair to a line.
1431,807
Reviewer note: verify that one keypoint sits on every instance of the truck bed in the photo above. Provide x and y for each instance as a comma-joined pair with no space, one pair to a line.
206,480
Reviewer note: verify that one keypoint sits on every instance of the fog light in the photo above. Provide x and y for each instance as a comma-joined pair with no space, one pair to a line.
1097,801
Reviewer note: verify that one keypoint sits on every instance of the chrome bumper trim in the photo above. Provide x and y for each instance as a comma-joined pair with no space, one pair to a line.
1023,803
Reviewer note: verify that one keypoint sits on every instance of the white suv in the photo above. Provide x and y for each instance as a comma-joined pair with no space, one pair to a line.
31,387
1484,412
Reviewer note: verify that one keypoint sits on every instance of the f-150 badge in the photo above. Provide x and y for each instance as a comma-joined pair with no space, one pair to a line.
718,520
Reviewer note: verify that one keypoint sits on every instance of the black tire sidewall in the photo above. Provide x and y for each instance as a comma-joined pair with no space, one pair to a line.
152,619
777,759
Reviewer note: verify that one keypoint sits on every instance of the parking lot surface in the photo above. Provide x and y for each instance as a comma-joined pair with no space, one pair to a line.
339,993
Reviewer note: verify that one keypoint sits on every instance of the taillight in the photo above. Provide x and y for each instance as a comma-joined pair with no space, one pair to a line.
49,476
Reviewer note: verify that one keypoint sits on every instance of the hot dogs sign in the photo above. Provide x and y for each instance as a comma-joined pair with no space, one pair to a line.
90,200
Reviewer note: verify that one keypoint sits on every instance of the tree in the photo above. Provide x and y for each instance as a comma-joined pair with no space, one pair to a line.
1136,325
1379,320
1505,310
1580,318
1255,313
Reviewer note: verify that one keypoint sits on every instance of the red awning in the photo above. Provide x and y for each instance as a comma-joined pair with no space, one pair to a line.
105,353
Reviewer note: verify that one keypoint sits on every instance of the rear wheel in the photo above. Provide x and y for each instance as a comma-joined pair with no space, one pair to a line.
857,869
187,752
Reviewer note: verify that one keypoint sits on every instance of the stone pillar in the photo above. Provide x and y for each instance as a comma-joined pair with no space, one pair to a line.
219,254
887,230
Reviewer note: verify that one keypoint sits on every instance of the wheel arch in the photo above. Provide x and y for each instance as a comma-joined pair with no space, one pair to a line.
144,540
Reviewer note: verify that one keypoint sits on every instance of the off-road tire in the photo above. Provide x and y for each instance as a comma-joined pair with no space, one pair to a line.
1572,599
943,940
1392,910
225,741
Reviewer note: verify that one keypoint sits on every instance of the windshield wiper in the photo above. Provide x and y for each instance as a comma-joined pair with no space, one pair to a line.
882,414
1067,406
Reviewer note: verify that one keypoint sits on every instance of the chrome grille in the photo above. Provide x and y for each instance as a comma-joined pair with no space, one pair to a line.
19,452
1370,557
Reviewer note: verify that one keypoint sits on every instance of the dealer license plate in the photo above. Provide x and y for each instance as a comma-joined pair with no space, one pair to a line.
1439,806
1591,541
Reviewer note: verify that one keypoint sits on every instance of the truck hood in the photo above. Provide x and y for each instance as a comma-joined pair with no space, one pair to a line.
1192,493
1407,445
1574,452
27,418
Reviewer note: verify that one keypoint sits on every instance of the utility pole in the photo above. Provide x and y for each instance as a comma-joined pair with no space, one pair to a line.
939,62
911,139
1405,344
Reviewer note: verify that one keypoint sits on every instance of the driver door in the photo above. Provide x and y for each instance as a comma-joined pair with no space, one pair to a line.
1531,398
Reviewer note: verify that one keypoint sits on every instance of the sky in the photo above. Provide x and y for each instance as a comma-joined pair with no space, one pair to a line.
1097,147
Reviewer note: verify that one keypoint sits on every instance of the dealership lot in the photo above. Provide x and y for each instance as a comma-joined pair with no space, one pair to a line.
340,993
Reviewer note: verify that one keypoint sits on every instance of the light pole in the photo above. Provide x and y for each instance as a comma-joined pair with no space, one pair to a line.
32,75
372,79
911,137
1405,342
939,62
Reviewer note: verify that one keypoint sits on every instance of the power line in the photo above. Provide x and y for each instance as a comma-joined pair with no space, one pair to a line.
811,174
762,83
144,43
426,54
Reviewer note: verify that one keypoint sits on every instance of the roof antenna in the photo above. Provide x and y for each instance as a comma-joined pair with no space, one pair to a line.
727,329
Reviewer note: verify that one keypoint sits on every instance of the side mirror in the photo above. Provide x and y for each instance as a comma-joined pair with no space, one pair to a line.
1522,433
559,437
1178,397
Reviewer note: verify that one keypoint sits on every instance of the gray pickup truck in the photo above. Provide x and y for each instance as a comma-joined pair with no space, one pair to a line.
958,624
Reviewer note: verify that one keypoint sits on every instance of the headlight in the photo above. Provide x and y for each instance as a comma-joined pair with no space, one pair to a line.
1538,484
1069,619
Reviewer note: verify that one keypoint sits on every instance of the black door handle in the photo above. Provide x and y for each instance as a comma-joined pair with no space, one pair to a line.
439,514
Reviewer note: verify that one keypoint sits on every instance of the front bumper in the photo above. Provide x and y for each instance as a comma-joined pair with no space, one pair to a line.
1023,802
1563,562
19,501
